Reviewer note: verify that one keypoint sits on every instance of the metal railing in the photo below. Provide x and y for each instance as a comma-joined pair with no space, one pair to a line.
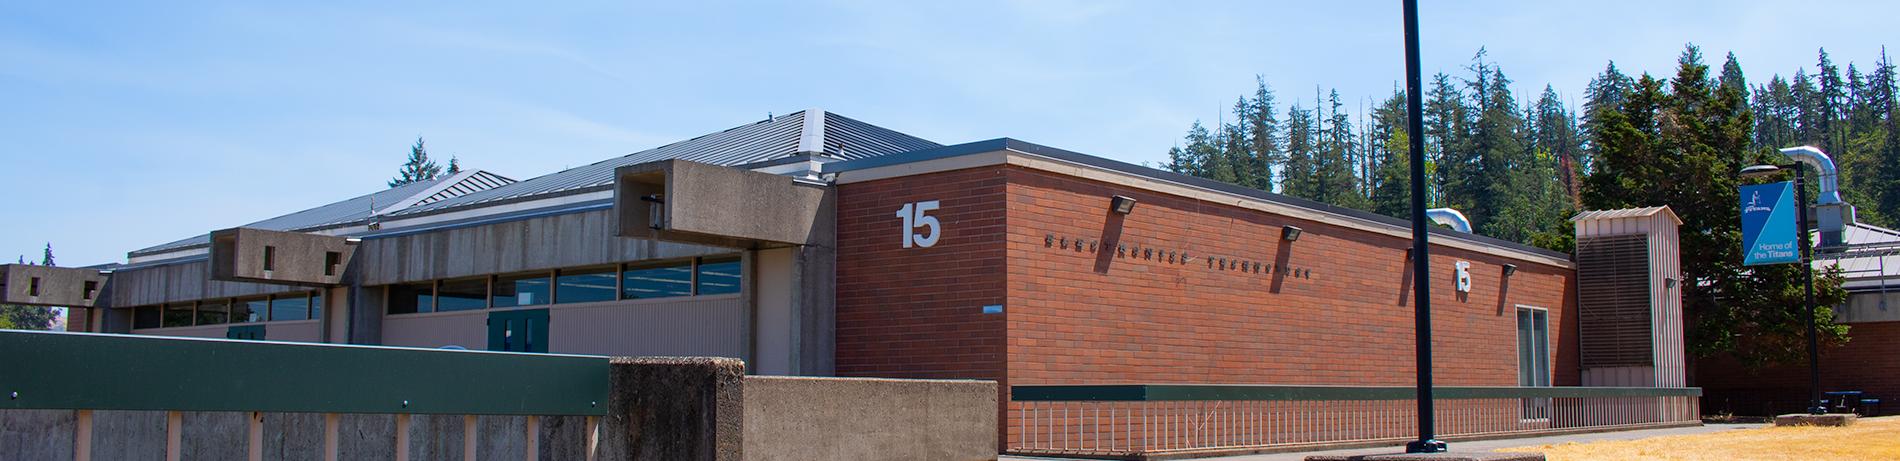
85,372
1132,420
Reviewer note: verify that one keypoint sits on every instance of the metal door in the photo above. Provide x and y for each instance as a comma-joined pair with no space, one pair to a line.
518,330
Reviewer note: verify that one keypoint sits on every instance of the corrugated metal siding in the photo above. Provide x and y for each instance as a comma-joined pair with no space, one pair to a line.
1666,252
707,326
204,331
704,326
302,331
1660,248
467,329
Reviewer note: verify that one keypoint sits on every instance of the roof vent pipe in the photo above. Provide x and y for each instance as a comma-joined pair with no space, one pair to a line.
1830,192
1451,218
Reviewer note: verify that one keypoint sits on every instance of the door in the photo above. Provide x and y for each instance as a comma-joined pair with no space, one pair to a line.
518,330
247,332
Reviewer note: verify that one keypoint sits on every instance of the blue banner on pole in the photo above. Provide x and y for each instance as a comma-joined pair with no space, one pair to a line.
1768,227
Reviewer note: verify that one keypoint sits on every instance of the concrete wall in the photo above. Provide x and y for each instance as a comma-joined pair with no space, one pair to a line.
57,286
176,282
719,205
239,254
534,244
869,419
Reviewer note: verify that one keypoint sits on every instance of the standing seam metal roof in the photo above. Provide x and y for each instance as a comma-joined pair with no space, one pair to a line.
843,138
351,210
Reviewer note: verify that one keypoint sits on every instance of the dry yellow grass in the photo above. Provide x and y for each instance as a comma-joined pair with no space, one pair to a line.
1868,439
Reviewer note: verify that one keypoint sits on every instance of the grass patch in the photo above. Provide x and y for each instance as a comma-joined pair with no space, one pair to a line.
1867,439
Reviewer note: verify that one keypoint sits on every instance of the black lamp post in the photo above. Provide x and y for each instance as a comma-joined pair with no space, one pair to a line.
1421,266
1807,268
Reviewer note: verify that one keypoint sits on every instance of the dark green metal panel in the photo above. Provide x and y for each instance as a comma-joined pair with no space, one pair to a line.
250,332
518,330
51,370
1178,392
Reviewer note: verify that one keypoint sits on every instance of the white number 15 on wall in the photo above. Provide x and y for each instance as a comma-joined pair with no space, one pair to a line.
916,215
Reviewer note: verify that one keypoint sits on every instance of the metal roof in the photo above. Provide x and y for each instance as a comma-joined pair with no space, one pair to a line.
1872,255
357,209
840,137
1627,213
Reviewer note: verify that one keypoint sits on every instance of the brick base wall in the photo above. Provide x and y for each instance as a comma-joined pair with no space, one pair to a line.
1869,362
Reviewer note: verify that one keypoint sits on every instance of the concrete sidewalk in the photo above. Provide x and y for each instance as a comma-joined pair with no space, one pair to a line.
1483,445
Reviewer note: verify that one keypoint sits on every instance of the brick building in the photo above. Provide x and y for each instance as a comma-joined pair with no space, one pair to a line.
814,244
1868,362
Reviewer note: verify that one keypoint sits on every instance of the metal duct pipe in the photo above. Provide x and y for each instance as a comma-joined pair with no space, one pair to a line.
1451,218
1830,192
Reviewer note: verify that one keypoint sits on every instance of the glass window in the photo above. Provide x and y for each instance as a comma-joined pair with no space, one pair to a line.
521,290
658,280
293,306
177,315
1533,358
214,312
584,285
717,276
316,304
462,295
249,310
146,317
412,298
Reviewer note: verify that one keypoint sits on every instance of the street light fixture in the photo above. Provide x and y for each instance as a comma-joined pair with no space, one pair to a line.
1807,269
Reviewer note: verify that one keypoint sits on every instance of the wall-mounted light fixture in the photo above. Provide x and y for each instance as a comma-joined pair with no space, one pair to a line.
1669,282
1510,269
1290,233
1122,204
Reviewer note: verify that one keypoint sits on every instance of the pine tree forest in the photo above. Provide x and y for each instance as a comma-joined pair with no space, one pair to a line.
1519,165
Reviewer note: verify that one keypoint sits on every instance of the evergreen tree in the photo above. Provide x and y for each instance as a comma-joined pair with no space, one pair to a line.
1554,132
418,168
1777,114
455,166
1333,182
1446,121
1265,130
1393,194
1807,103
1887,186
1682,147
1300,173
1832,96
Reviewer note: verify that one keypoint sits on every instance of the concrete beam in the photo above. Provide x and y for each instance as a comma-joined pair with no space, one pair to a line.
277,257
50,286
685,201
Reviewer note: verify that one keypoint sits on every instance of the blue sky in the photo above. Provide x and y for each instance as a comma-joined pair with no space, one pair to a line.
128,125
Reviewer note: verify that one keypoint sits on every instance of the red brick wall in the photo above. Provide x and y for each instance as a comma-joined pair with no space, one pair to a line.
1869,362
1085,317
917,312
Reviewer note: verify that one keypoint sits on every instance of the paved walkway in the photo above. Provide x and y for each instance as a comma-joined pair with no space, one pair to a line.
1486,445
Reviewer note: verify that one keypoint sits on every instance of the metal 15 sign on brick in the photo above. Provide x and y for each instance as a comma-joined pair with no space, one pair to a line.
920,228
